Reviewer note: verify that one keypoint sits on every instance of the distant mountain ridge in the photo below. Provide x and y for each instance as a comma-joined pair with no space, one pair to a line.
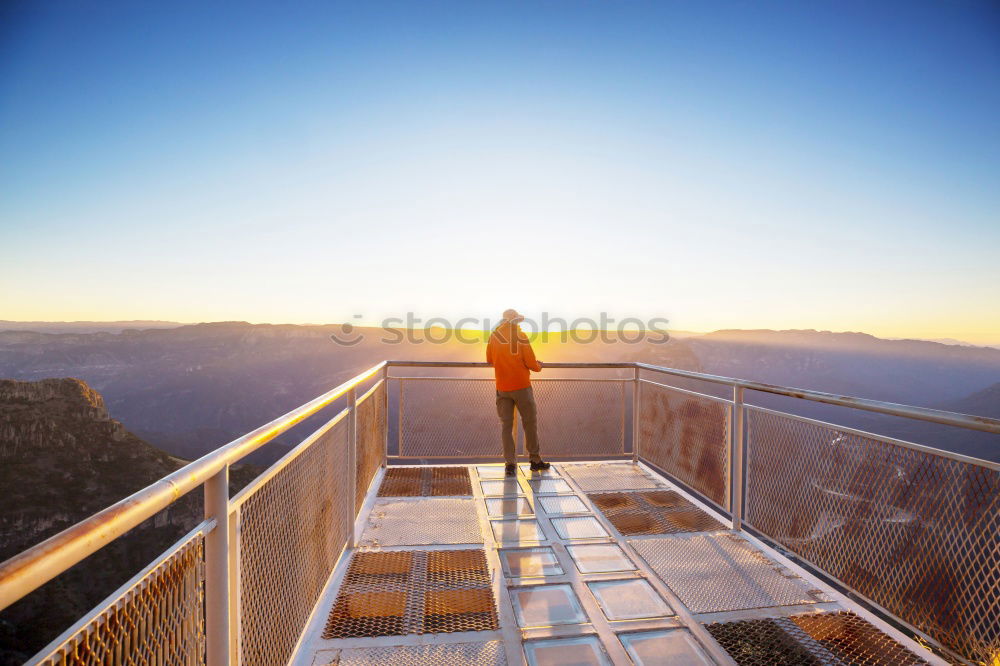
84,326
192,388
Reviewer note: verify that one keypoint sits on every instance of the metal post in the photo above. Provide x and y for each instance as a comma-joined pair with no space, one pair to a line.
352,457
217,569
399,419
736,459
385,415
235,525
635,415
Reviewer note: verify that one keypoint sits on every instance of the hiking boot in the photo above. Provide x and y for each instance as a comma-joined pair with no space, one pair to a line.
510,469
540,466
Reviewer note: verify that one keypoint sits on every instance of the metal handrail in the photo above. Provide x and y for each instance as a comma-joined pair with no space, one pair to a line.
39,564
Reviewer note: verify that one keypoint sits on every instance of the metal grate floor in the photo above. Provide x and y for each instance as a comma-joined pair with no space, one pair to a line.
533,565
413,592
425,482
721,572
810,639
489,653
653,512
422,522
613,476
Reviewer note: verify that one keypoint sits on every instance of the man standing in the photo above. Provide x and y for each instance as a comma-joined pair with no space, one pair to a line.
513,361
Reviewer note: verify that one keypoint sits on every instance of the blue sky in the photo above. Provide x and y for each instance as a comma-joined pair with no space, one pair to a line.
829,165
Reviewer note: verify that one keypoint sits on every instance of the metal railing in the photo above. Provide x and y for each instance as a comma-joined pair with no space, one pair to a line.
913,530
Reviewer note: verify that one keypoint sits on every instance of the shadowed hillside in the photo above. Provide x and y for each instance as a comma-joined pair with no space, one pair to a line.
62,459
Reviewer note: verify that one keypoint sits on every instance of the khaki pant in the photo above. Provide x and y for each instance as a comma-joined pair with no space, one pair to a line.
524,401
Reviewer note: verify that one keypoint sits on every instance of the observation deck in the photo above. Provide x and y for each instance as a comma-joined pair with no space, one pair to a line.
681,523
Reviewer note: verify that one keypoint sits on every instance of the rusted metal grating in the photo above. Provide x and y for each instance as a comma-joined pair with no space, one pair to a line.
653,512
810,639
413,592
158,620
722,572
917,533
425,482
371,441
687,436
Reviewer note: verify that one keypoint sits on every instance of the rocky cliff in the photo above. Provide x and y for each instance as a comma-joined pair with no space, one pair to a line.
62,458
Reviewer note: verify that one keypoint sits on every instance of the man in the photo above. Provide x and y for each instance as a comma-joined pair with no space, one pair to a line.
513,361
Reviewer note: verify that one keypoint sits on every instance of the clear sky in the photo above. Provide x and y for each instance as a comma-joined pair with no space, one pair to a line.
830,165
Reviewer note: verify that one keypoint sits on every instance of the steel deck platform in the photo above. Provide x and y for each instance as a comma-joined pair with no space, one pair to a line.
588,563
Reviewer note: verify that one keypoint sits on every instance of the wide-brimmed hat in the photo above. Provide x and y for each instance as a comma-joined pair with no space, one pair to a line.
512,315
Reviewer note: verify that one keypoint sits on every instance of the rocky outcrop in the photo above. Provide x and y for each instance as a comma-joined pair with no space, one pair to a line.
62,458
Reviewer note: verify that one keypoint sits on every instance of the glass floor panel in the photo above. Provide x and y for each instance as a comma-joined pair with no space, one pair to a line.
600,558
629,599
558,504
579,527
498,487
523,562
582,651
545,605
675,647
508,506
490,471
516,531
549,486
550,472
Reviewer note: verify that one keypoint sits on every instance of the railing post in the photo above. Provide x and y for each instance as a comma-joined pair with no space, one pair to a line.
736,459
385,416
635,415
235,609
352,458
217,601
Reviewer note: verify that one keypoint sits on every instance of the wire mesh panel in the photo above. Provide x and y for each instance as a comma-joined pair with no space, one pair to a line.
425,482
610,476
159,619
430,521
811,639
457,418
488,653
917,533
687,436
371,441
580,419
721,572
292,531
653,512
403,592
448,418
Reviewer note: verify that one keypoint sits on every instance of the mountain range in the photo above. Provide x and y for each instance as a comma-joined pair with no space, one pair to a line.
191,388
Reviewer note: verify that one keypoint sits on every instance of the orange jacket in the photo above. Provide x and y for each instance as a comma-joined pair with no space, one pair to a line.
511,356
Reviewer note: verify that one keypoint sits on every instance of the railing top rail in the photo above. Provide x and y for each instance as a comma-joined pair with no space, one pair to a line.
478,364
28,570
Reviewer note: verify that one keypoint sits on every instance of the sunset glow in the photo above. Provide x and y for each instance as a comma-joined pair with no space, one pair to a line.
782,168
